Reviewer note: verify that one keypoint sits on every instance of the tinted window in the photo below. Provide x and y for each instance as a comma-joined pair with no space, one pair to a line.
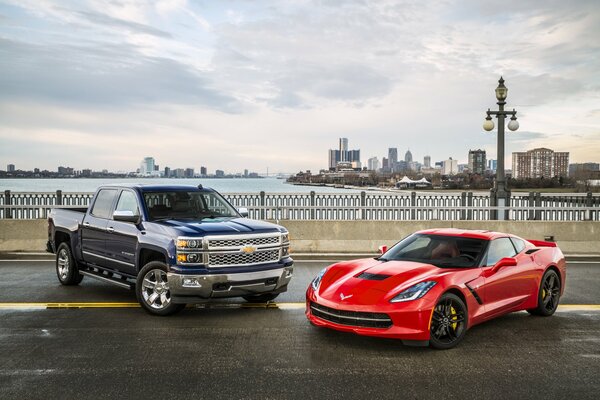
103,203
439,250
127,202
187,205
500,248
519,244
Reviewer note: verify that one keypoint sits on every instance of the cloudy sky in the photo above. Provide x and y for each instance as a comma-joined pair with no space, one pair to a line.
257,84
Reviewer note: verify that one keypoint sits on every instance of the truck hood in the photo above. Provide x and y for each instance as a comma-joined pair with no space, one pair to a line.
218,226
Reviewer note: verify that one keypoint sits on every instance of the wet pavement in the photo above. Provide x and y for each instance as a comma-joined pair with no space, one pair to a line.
273,353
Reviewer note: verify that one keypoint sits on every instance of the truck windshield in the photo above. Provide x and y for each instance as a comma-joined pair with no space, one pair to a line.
179,204
439,250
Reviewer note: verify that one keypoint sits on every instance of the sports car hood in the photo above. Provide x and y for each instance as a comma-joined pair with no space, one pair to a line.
370,281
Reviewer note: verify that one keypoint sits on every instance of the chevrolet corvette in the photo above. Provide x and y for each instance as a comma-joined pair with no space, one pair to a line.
433,285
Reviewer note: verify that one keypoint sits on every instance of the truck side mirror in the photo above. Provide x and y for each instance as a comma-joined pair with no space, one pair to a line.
243,212
126,216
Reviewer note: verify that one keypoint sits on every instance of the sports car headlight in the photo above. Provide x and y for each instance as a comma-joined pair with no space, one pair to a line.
414,292
317,281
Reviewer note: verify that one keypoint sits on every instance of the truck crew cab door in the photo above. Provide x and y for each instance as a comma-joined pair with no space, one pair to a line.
122,237
93,229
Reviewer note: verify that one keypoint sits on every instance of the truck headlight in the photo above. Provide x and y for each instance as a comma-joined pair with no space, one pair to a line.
285,238
317,281
414,292
188,243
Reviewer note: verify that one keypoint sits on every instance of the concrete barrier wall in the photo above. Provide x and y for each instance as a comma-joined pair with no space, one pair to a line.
578,237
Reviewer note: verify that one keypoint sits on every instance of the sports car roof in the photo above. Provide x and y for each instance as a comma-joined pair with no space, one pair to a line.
469,233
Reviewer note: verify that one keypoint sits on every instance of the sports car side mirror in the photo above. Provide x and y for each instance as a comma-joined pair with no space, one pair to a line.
505,262
383,249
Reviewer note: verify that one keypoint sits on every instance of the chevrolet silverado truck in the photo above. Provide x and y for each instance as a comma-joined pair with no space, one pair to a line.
173,244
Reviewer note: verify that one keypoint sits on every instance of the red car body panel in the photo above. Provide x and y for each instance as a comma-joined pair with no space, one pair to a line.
487,292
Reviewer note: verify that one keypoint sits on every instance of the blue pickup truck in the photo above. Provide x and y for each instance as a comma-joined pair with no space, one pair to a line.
173,244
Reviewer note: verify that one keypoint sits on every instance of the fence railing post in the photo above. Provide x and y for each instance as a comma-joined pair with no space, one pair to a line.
537,204
59,198
312,204
588,203
470,205
413,204
262,205
363,205
7,202
463,204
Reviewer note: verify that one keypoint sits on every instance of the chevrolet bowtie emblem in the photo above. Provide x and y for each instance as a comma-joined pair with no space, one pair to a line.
248,249
345,297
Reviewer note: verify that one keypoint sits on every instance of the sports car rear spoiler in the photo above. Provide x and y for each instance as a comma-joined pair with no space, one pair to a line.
541,243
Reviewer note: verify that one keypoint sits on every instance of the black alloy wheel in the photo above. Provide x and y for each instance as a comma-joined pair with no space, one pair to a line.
448,322
548,295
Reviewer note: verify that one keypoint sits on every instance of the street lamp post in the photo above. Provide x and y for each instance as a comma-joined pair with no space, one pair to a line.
500,195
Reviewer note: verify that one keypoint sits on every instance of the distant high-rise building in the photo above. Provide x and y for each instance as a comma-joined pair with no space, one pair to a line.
167,172
85,173
147,166
342,155
10,168
65,170
449,167
392,157
540,162
583,168
37,170
189,172
385,165
373,164
203,171
408,156
492,165
343,148
477,162
427,161
179,173
245,173
219,173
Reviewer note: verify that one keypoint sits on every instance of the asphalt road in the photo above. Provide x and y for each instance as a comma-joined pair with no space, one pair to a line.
273,353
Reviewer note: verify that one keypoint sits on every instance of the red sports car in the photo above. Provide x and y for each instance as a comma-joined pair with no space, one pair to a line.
432,286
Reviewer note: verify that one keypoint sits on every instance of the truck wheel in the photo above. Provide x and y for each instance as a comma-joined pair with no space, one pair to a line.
67,270
152,290
260,298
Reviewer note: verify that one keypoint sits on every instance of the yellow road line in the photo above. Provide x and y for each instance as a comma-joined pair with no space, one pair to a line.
280,306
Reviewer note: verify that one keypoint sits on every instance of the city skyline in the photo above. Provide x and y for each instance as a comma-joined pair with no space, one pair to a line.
235,85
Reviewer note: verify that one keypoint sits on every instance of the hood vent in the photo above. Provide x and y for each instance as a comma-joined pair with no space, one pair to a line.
372,277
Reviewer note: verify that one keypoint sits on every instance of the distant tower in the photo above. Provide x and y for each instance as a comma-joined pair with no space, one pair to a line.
427,161
344,149
408,156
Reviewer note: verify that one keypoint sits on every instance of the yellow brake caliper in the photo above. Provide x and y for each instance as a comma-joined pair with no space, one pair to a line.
454,318
543,294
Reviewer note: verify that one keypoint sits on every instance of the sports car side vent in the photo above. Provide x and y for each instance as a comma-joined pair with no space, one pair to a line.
372,277
475,294
531,251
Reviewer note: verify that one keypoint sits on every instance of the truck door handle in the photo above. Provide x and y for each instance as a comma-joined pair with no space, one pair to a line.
110,229
86,224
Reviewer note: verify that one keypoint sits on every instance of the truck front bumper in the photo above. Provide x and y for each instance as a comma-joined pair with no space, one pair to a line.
200,288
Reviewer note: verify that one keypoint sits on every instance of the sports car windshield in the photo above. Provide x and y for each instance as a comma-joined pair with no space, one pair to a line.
180,204
442,251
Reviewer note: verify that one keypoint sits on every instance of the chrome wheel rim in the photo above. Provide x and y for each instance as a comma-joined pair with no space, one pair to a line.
550,292
155,289
62,264
447,321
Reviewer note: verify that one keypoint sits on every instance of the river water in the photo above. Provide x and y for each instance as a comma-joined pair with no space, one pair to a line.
233,185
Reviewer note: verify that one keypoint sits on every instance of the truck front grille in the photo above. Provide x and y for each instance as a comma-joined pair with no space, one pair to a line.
237,259
253,241
351,318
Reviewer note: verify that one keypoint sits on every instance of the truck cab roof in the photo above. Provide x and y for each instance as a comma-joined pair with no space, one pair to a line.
157,187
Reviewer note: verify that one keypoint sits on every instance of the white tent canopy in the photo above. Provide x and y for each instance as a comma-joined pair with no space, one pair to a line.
409,181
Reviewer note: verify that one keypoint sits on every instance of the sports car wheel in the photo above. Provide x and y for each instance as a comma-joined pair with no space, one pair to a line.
548,295
448,322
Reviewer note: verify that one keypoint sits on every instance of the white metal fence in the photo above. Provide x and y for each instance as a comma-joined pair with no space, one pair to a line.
352,206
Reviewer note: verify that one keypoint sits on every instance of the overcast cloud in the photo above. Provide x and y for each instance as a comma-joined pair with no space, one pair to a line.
236,84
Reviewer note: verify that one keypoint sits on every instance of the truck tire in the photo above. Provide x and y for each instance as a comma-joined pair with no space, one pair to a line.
152,290
260,298
67,270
